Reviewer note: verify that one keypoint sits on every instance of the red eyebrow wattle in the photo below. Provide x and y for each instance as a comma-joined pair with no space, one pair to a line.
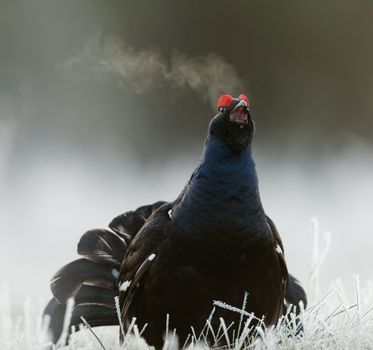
225,101
244,98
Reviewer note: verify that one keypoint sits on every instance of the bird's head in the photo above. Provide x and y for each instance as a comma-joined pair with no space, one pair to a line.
233,124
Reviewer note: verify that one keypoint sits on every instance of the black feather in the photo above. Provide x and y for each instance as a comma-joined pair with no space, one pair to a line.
56,311
147,210
295,293
69,279
102,246
95,295
94,314
129,223
92,281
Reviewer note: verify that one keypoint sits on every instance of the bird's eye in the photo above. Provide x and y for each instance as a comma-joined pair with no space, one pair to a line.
222,109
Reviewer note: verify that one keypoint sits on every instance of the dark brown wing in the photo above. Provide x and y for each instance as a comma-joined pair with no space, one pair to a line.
129,224
140,254
279,248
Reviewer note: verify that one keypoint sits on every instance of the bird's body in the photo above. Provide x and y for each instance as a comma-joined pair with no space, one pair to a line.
214,242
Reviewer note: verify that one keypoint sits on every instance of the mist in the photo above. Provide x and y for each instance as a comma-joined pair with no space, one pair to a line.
140,71
101,112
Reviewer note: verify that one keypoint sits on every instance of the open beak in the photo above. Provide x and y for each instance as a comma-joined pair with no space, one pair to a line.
240,113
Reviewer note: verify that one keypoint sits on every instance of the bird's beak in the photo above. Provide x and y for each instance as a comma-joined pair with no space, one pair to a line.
240,113
240,104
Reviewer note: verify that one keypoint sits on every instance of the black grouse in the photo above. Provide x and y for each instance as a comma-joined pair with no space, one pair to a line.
214,242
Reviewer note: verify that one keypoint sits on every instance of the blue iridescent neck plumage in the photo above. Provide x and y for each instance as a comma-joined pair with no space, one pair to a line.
223,191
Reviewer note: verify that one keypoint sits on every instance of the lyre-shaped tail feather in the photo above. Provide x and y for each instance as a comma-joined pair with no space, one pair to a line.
92,279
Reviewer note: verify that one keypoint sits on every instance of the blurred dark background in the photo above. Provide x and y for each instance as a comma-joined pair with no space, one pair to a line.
104,106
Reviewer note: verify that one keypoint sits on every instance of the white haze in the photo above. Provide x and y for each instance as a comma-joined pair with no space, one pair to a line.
141,70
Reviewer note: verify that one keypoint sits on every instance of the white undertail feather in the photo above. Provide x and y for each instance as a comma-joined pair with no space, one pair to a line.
115,273
151,257
124,286
278,249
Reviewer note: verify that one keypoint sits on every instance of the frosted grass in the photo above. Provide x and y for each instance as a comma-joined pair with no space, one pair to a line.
330,322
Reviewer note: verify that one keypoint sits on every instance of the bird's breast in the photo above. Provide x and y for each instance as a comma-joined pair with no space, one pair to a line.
216,206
